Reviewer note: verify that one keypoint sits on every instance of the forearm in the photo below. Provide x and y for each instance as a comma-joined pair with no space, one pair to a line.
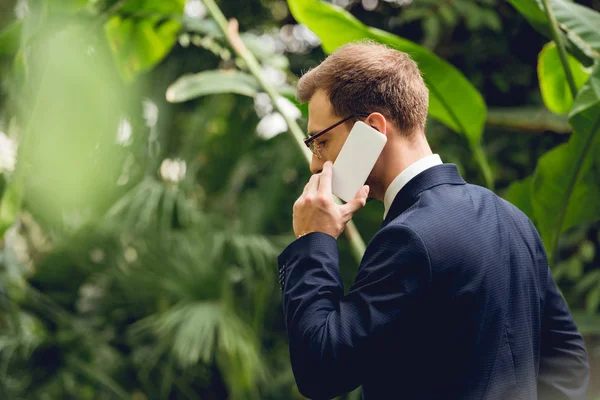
312,292
332,336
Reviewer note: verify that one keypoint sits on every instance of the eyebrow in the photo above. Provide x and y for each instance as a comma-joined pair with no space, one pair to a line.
314,132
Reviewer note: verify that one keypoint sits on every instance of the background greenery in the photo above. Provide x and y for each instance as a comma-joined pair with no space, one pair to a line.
150,158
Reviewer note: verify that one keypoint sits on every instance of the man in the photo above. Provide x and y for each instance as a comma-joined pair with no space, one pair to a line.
453,298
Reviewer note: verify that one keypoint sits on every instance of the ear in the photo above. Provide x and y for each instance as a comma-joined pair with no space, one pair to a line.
377,121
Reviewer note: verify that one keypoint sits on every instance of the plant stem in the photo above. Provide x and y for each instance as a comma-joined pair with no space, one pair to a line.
534,119
230,30
482,161
561,47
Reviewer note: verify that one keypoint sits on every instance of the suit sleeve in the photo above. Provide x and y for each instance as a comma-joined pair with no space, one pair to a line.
330,334
564,366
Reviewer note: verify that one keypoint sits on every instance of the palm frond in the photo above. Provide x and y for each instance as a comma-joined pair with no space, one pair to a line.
155,206
97,375
239,356
204,332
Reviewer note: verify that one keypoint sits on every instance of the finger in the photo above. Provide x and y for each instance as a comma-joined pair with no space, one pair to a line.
325,179
358,202
312,185
308,184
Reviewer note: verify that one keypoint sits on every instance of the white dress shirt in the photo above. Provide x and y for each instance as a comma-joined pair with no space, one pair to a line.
405,176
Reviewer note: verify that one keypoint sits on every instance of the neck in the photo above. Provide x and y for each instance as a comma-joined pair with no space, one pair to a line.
398,155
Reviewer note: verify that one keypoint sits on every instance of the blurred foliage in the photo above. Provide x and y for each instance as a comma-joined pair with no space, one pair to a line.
152,190
439,18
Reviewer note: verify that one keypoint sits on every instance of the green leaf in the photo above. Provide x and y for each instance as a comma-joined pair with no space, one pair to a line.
66,6
519,194
554,173
75,92
587,251
168,208
565,188
432,29
10,205
582,25
575,269
592,301
138,44
10,37
553,82
412,13
447,14
579,25
587,324
239,355
212,82
531,10
453,99
474,19
492,20
590,279
164,8
99,376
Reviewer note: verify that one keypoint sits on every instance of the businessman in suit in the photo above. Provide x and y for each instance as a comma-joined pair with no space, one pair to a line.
453,298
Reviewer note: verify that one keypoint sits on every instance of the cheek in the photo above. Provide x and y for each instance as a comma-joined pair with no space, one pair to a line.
333,149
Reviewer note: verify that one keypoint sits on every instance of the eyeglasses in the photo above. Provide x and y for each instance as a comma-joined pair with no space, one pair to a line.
310,141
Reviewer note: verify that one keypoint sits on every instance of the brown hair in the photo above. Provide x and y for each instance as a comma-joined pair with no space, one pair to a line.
370,77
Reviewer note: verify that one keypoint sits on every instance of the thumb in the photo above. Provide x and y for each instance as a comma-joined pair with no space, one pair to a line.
358,202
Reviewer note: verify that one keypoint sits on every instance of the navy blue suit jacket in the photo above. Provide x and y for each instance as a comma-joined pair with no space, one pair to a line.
453,299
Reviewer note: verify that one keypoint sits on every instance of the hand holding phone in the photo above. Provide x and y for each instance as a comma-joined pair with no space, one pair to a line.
356,160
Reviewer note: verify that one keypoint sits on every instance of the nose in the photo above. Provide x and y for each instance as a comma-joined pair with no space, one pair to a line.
316,165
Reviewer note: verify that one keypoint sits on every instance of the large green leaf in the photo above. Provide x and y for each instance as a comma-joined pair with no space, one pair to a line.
140,42
578,24
9,39
66,6
565,186
212,82
79,107
531,10
582,25
98,375
453,100
553,82
519,194
556,170
146,7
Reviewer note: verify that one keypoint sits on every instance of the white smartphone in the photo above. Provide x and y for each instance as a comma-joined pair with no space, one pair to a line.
356,160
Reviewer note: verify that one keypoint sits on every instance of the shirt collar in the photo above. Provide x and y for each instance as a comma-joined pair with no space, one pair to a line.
405,176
